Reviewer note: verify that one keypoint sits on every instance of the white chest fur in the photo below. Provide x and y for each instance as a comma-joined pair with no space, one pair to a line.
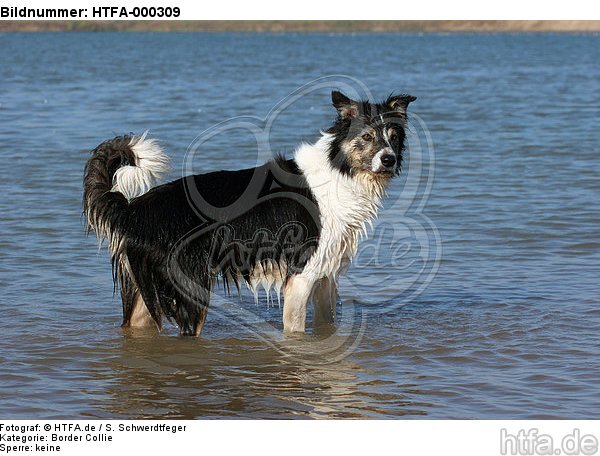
347,205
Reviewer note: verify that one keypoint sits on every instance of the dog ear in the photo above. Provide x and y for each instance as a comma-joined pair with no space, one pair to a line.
400,102
347,108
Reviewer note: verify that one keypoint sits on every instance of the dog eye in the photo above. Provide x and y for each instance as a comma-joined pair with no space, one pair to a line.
367,137
393,136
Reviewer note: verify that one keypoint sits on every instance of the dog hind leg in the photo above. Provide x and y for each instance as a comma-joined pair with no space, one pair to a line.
135,311
186,304
145,301
140,316
189,314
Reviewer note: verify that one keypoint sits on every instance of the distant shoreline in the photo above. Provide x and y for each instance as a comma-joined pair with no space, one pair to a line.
301,26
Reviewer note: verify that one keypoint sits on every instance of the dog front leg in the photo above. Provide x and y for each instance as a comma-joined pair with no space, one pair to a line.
296,293
324,300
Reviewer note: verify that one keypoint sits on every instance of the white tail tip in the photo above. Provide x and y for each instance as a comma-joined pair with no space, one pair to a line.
151,163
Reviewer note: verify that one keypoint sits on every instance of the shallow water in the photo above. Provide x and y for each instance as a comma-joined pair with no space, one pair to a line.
496,318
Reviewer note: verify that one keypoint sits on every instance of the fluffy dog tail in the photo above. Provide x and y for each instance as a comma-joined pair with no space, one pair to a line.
119,170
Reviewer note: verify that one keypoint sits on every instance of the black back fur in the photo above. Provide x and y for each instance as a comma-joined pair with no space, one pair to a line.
172,243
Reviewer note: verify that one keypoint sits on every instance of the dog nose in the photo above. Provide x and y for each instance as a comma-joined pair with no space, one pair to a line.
388,161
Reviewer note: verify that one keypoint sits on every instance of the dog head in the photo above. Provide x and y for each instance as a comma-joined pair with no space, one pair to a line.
368,138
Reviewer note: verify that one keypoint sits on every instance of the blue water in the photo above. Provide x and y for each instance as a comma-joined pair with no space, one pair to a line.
483,302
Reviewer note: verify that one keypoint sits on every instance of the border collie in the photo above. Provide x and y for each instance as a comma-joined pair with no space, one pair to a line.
290,224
